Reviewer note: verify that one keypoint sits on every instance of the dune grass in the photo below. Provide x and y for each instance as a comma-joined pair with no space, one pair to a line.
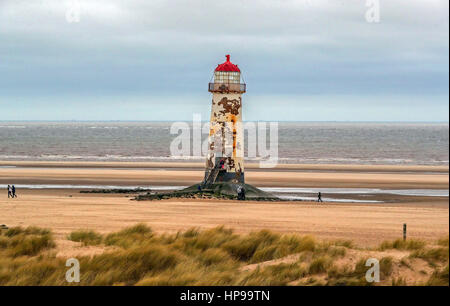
86,237
18,241
439,278
31,230
400,244
443,241
216,256
432,255
320,265
276,275
129,237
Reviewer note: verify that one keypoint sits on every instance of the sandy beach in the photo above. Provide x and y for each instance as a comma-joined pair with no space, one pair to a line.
367,224
64,210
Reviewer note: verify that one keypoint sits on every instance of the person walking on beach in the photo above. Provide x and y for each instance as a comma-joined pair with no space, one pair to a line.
13,191
241,193
319,197
9,192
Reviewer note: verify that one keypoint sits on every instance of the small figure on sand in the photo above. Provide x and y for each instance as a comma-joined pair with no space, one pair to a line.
319,197
241,193
12,191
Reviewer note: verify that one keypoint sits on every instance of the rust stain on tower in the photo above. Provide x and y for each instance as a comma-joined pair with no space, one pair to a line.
225,159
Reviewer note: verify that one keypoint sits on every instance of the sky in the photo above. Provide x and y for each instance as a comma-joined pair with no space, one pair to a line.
302,60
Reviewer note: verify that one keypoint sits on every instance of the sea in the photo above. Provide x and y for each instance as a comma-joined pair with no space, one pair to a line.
393,143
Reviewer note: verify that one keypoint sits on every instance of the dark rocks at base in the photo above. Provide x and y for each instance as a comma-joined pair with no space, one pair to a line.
120,191
227,190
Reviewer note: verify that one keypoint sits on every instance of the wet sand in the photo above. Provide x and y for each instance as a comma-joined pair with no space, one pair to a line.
324,176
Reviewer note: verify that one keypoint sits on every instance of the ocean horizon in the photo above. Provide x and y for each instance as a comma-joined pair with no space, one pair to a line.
322,142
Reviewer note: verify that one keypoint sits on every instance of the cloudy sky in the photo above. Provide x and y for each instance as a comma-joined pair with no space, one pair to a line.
306,60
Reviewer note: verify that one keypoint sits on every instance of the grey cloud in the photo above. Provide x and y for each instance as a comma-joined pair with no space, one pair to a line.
171,47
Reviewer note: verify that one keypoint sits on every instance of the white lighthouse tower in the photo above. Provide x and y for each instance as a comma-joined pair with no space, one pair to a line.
225,159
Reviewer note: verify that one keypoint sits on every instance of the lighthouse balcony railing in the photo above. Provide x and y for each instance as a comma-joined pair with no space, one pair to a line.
227,87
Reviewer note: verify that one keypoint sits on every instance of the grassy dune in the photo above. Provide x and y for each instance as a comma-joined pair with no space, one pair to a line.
217,257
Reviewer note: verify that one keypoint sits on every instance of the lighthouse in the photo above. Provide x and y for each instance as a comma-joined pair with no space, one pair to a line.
224,169
225,157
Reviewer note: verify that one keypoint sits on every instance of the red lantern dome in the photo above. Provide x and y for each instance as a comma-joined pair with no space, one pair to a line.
228,66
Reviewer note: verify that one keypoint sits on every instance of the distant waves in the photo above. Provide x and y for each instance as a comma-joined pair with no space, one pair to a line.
298,142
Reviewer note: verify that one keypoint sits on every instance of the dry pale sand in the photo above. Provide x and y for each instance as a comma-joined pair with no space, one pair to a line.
65,210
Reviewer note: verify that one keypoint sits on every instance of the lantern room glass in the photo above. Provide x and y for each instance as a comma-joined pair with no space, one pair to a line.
227,77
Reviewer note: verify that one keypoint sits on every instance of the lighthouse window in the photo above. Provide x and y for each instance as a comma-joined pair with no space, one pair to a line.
227,77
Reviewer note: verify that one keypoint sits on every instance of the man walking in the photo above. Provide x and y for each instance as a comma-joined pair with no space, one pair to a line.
9,192
13,191
319,197
241,193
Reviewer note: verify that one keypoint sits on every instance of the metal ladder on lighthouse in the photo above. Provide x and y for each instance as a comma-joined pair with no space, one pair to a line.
212,176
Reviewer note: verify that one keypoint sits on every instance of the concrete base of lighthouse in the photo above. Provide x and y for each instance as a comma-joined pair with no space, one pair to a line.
218,190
